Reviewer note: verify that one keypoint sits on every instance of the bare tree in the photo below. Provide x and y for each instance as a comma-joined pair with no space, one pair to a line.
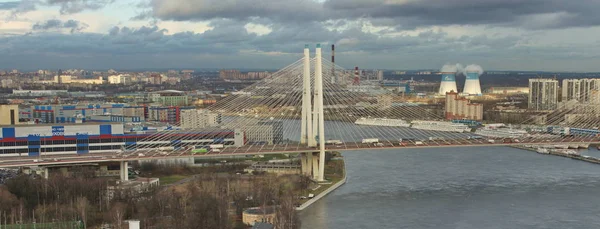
117,214
81,204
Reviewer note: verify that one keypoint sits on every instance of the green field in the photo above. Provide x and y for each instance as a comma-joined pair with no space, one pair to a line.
171,179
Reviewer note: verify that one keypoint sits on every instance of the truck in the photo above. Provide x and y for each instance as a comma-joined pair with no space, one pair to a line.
216,146
474,137
333,142
370,140
200,150
419,143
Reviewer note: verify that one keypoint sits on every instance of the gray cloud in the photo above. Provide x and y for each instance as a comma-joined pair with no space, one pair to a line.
76,6
295,23
225,46
55,24
9,5
532,14
279,10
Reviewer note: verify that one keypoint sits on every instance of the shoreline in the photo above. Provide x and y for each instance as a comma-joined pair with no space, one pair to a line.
578,157
325,192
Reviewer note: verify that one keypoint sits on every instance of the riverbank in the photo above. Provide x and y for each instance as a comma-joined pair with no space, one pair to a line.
557,153
335,183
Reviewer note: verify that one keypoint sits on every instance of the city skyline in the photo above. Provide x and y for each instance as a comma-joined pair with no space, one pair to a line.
393,34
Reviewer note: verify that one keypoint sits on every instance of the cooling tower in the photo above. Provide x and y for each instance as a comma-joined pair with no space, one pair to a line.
472,86
448,83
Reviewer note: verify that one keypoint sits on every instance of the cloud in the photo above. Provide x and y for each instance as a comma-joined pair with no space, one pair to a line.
9,5
402,14
377,33
55,24
278,10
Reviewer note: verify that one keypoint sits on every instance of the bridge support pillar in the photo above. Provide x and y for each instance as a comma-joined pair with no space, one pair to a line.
46,175
123,172
304,164
315,166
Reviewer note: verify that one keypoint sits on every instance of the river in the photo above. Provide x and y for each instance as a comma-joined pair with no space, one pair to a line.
469,187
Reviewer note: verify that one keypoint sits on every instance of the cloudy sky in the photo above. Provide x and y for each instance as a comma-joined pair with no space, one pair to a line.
553,35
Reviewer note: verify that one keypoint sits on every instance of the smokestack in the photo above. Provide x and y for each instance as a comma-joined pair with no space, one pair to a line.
448,83
333,78
356,76
472,85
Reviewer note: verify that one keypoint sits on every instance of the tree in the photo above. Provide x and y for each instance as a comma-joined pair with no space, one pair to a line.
117,214
81,204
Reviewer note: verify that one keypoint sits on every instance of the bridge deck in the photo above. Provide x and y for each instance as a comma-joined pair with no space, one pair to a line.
155,154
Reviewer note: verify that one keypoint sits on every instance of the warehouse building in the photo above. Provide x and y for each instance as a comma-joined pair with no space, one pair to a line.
46,139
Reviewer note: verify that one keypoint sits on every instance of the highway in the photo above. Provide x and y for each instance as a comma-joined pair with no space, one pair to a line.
155,154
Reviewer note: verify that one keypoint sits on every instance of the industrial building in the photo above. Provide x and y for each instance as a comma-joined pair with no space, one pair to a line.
192,118
543,94
261,131
461,108
108,112
45,139
77,113
581,90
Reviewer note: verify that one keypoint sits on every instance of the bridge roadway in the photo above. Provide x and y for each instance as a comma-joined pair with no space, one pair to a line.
154,154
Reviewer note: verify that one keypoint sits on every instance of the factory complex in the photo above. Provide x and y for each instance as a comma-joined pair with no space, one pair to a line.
49,139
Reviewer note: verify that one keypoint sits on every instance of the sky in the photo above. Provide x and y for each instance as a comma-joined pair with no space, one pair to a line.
546,35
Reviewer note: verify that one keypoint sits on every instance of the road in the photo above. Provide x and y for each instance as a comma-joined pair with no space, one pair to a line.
155,154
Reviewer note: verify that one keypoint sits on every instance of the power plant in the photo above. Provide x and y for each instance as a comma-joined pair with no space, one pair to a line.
472,73
448,83
472,85
449,78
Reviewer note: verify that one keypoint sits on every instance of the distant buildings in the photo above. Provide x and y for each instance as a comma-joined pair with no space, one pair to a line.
543,94
155,79
581,90
39,92
230,74
461,108
237,75
170,98
380,75
69,79
193,118
119,79
508,90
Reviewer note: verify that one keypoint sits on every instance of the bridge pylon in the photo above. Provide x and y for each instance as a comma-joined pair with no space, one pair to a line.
312,131
306,131
318,110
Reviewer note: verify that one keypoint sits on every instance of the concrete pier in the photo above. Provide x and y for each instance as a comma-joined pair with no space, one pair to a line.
123,172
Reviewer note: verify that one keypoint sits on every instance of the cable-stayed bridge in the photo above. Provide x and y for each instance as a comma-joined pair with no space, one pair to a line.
312,106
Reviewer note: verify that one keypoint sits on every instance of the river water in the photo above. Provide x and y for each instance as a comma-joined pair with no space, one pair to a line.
470,187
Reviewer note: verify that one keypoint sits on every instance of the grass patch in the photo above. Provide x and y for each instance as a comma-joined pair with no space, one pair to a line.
171,179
